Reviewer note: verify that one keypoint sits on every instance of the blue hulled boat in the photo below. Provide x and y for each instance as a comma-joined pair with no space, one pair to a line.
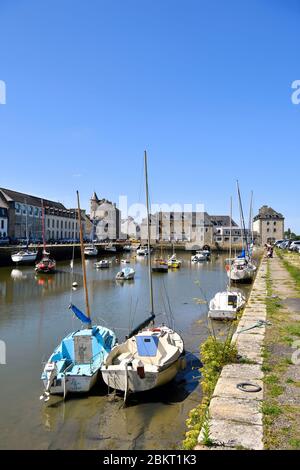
75,364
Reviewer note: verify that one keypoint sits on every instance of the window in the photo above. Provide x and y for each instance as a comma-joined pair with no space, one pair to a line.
36,212
2,224
57,225
18,208
268,230
275,222
275,230
30,210
53,223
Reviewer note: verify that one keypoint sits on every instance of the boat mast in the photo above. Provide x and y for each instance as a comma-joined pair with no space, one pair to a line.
250,218
43,227
87,304
230,243
242,218
26,225
149,236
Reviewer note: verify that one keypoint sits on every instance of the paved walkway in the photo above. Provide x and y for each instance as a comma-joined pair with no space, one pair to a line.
235,416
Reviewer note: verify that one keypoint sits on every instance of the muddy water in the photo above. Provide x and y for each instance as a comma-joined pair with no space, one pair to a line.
34,317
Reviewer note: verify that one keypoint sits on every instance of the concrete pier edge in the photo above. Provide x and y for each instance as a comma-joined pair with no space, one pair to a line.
235,417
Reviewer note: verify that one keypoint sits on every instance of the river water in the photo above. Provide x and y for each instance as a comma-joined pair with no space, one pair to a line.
34,316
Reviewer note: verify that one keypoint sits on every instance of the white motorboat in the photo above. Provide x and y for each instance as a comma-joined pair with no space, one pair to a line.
125,261
125,274
225,305
91,251
142,251
24,257
102,264
127,248
201,255
110,247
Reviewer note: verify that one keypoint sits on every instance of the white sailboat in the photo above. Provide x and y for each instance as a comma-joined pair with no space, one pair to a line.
25,256
110,248
102,264
91,250
225,305
242,269
151,356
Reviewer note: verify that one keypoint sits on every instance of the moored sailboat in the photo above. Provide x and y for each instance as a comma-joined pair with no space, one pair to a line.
74,365
25,256
151,356
225,305
46,265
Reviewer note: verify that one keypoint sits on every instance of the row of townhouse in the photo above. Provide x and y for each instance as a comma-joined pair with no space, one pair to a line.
21,217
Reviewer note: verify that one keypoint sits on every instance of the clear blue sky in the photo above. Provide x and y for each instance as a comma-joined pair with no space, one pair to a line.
203,85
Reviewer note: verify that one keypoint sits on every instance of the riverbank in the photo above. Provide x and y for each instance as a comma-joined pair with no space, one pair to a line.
268,356
64,252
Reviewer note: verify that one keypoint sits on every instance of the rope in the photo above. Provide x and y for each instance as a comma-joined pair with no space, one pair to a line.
259,324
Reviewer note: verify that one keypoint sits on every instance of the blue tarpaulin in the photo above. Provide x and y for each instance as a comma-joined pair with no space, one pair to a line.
82,317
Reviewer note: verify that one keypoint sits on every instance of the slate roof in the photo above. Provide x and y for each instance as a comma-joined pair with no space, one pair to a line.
266,212
14,196
222,221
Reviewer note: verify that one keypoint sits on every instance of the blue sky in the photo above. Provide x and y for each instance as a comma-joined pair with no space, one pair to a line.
203,85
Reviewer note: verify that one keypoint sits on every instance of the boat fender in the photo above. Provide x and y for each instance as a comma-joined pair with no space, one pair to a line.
141,370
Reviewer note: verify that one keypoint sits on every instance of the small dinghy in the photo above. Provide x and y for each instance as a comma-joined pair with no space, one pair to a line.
125,261
160,266
201,255
174,262
225,305
142,251
102,264
126,274
90,251
46,265
110,248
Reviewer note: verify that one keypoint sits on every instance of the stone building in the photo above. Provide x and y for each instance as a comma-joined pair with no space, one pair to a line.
25,211
130,229
106,218
269,225
187,227
3,221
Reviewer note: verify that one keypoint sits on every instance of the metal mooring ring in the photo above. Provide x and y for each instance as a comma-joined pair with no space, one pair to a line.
249,387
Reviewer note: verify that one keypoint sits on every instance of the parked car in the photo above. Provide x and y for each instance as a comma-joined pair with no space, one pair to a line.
294,245
278,242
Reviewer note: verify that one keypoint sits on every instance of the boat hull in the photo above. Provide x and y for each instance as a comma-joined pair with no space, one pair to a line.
73,384
21,259
118,379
